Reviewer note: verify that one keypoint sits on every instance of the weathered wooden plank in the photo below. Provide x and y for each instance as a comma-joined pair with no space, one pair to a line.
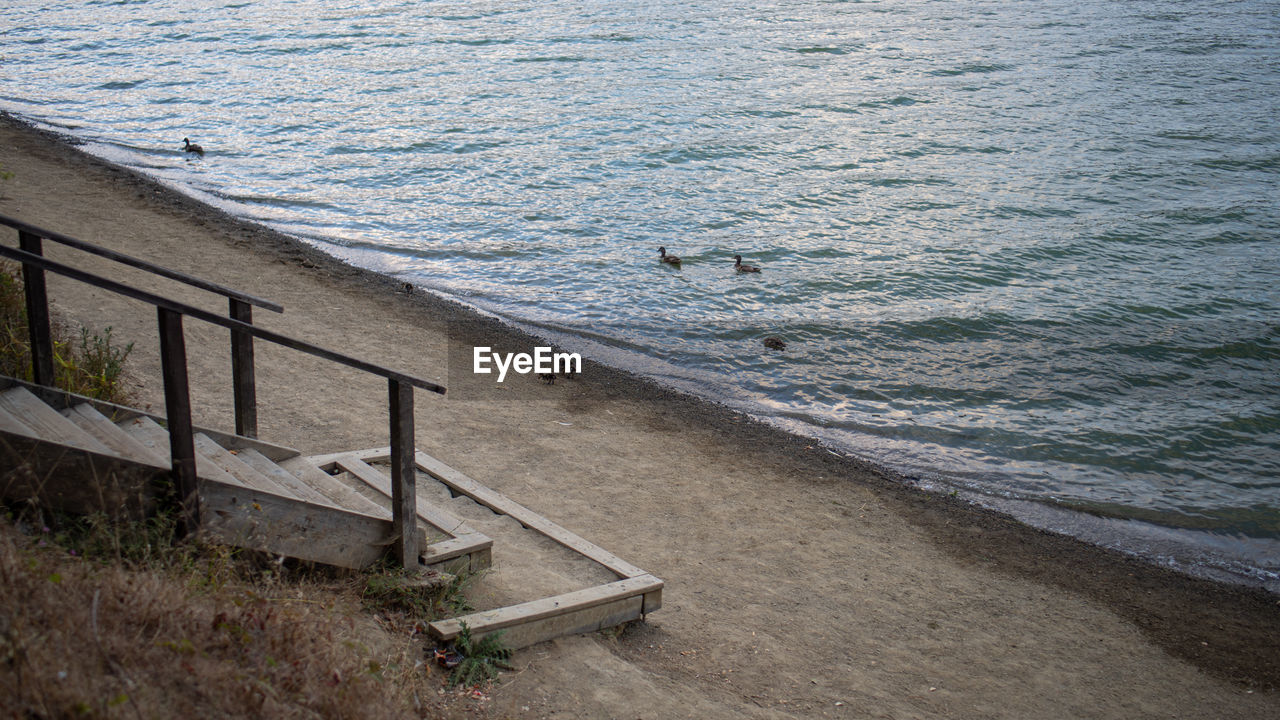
404,494
61,400
575,622
249,518
149,433
436,517
282,477
653,601
502,504
378,454
276,453
72,480
177,408
47,422
96,424
466,540
37,299
330,487
580,611
11,424
475,551
243,385
242,471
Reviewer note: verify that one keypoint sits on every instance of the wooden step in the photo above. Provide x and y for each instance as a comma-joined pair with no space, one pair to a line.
467,550
47,423
244,517
241,471
282,477
429,513
332,488
87,418
587,610
149,433
9,423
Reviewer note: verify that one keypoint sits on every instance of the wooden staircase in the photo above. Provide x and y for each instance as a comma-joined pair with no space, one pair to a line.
78,455
258,495
70,453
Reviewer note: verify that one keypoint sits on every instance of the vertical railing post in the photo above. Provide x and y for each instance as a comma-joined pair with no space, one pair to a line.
37,312
242,379
177,403
404,496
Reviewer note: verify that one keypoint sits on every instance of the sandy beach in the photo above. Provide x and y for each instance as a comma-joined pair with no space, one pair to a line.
799,583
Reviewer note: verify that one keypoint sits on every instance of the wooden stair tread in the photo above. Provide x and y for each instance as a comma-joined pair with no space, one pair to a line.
47,423
241,471
282,477
332,488
87,418
431,514
9,423
149,433
463,541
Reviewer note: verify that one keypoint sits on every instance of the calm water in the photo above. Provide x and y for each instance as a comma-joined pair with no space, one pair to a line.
1027,251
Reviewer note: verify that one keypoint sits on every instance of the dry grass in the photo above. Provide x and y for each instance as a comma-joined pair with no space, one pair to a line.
200,633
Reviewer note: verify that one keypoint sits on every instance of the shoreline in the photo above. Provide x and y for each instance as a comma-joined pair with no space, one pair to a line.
1183,550
1225,631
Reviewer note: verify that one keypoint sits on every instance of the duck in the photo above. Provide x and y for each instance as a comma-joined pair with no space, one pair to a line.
668,259
774,343
191,147
737,265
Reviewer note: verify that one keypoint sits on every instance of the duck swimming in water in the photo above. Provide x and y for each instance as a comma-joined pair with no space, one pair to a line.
774,343
668,259
190,147
737,265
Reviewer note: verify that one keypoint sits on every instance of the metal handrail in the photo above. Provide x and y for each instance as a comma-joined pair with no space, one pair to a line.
178,397
31,239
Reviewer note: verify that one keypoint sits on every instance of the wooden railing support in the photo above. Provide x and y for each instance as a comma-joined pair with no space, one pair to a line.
177,402
177,396
32,238
242,377
37,312
404,495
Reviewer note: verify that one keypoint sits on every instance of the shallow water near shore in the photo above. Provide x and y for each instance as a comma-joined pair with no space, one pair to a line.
1025,251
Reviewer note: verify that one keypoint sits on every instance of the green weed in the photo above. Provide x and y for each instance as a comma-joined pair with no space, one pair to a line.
395,591
480,659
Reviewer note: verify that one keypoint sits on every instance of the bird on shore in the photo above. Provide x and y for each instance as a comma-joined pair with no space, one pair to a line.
192,148
774,343
737,265
668,259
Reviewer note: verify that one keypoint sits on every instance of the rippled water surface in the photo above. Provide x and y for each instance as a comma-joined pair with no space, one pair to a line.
1027,250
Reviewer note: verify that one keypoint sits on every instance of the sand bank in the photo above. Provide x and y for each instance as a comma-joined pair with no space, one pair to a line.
799,583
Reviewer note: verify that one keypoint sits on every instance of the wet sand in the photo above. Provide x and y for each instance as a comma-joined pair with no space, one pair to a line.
799,583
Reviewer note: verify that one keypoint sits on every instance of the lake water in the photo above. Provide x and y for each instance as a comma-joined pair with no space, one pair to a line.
1023,251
